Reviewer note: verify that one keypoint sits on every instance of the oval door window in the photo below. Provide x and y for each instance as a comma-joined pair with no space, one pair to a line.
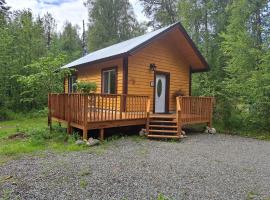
159,87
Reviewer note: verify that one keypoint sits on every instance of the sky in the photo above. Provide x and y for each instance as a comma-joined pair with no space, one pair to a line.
65,10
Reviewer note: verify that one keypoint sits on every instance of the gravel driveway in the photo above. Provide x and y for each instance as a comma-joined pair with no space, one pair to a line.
199,167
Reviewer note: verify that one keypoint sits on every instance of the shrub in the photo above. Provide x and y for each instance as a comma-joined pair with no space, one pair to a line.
40,136
85,87
6,114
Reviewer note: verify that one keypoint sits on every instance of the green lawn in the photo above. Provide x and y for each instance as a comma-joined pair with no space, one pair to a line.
39,139
36,137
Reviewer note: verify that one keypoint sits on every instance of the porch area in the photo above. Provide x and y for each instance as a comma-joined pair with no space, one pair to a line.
100,111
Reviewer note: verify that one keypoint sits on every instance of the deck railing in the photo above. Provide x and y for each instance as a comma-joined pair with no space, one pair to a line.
84,108
195,109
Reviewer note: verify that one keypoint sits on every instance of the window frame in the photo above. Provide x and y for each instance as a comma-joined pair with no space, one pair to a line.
114,68
71,80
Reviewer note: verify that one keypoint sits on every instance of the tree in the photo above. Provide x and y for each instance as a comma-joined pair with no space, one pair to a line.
246,65
49,26
110,22
160,12
43,77
4,8
70,42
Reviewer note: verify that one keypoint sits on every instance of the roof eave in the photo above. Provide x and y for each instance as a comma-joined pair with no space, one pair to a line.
194,47
97,61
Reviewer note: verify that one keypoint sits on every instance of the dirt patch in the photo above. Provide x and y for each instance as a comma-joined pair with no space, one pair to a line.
19,135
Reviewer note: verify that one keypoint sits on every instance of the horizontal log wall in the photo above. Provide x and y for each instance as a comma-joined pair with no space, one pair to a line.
164,54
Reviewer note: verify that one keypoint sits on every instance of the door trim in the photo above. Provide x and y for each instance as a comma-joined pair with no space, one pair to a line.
167,94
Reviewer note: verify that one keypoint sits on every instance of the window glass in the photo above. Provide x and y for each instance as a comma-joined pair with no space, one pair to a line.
106,82
109,80
71,80
159,88
112,82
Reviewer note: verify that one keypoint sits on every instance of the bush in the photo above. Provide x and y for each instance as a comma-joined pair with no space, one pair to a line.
40,136
37,113
85,87
6,114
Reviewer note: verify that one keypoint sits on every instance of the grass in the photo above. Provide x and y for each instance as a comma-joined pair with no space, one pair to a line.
37,138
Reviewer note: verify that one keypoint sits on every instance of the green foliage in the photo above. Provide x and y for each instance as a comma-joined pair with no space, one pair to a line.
110,22
247,74
160,12
70,42
162,197
234,37
31,53
85,87
43,77
38,137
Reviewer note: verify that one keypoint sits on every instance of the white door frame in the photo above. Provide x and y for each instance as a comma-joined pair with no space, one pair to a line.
167,91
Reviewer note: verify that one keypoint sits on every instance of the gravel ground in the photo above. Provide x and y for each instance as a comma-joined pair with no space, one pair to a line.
199,167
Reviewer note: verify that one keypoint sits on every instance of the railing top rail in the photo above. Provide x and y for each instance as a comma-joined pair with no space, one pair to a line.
101,94
203,97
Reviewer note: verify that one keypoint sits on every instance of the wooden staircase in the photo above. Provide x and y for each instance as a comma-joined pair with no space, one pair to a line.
163,126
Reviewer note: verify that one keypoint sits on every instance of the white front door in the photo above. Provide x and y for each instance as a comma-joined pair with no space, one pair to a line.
160,93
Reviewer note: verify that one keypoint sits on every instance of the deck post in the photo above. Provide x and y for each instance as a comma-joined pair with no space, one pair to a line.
101,134
85,112
178,116
69,128
50,112
85,133
148,115
121,105
209,124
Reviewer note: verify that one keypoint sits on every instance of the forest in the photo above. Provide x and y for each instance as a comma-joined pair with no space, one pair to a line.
233,35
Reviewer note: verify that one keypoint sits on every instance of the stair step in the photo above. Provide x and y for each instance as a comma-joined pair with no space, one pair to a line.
163,131
162,126
161,121
164,136
164,117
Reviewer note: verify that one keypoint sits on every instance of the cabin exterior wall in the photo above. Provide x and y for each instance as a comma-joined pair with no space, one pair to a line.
167,59
93,73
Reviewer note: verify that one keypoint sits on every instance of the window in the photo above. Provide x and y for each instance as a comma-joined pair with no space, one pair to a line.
109,81
71,80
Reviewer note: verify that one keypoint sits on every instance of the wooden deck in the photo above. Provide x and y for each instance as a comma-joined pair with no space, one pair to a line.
99,111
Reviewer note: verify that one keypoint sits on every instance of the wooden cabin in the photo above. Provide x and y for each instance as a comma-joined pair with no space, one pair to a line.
142,81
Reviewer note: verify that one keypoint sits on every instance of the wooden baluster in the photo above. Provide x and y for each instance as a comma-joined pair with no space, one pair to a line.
102,107
126,108
90,107
98,108
121,105
109,106
132,107
105,98
115,108
95,106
